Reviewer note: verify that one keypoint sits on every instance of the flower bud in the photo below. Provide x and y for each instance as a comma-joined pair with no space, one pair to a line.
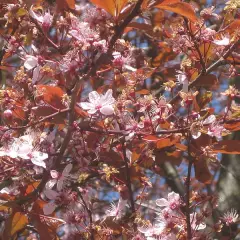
8,114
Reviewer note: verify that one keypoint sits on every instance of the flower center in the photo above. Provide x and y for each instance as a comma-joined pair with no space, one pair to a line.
98,107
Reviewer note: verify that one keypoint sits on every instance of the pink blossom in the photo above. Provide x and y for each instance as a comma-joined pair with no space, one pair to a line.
195,224
98,102
45,20
172,202
117,211
23,147
153,230
214,128
30,62
230,217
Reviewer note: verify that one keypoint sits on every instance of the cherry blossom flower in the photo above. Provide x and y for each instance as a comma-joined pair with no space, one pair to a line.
230,217
214,129
60,178
173,201
34,63
98,102
153,230
23,147
116,211
45,20
195,224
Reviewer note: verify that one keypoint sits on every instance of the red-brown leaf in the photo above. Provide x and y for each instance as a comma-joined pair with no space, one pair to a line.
210,81
202,172
227,146
51,95
182,8
114,7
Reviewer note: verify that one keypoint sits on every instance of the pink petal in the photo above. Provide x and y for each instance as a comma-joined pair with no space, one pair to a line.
49,208
107,110
50,184
92,111
162,202
36,74
51,194
75,34
67,169
35,16
86,105
223,42
94,97
30,62
173,196
209,120
60,184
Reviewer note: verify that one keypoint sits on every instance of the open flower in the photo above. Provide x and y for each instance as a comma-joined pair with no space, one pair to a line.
98,102
153,230
45,20
23,147
117,211
172,202
230,217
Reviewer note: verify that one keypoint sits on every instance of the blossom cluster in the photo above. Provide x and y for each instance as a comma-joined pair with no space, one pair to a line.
96,127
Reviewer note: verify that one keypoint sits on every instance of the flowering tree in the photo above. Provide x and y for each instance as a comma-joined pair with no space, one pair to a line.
115,117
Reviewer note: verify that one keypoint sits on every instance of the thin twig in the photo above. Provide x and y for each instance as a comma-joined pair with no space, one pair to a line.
215,65
128,180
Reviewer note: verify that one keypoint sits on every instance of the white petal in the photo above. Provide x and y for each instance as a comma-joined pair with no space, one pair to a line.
107,110
92,111
3,153
196,135
36,74
94,97
210,119
75,34
86,105
35,16
49,208
51,194
30,62
12,154
201,226
173,196
50,184
24,156
38,158
162,202
107,99
223,42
